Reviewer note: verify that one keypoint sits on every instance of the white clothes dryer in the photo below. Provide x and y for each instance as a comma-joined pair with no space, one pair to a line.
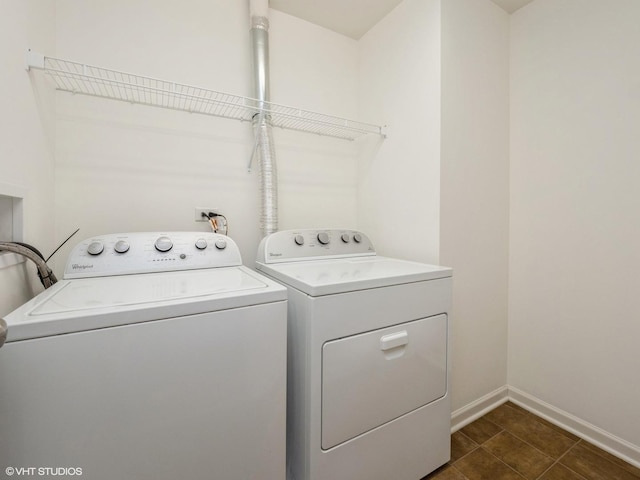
159,356
368,357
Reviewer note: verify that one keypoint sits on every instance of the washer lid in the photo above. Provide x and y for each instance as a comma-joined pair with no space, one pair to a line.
91,303
327,277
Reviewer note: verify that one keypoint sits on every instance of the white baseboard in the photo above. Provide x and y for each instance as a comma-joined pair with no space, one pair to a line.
606,441
471,412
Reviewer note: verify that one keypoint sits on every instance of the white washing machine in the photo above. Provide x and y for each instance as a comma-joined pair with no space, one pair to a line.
367,395
159,356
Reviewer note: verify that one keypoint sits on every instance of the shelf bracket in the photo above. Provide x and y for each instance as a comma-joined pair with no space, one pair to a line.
34,60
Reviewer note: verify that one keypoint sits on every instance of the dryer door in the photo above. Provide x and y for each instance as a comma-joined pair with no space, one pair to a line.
373,378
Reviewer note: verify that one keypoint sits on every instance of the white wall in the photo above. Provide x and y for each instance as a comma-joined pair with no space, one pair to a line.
436,190
575,225
314,69
399,178
124,167
26,136
474,200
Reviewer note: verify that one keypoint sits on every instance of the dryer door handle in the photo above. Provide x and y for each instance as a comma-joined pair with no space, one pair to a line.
394,340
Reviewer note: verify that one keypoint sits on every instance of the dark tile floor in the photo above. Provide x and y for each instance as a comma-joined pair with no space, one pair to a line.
510,443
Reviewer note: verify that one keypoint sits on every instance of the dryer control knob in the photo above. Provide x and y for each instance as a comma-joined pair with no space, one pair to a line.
121,246
163,244
345,238
95,248
357,238
201,244
299,239
221,244
323,238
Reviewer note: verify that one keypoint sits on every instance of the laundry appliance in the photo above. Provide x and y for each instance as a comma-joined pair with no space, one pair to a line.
159,356
368,357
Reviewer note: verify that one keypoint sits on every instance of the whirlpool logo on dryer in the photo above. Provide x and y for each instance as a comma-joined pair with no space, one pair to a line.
81,266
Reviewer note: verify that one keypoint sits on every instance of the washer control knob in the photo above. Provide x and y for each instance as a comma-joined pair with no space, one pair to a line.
323,238
163,244
299,239
345,238
201,244
357,238
221,244
95,248
121,246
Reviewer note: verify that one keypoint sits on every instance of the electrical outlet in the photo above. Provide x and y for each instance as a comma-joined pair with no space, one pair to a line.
200,210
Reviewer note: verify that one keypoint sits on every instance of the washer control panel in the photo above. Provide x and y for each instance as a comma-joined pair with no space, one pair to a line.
147,252
298,245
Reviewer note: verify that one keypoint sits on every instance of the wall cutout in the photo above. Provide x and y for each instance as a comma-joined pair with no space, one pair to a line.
11,221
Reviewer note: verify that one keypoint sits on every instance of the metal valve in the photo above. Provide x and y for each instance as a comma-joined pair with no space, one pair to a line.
3,331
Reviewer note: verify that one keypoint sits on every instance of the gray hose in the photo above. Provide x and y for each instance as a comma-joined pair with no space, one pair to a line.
44,272
3,331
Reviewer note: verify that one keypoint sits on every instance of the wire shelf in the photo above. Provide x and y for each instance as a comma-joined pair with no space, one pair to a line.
101,82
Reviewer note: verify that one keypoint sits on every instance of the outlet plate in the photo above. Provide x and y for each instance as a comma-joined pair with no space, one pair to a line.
199,210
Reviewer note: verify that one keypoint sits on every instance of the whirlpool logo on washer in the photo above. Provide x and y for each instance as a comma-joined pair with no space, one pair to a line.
81,266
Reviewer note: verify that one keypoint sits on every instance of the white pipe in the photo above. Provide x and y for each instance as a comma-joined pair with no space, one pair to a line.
259,8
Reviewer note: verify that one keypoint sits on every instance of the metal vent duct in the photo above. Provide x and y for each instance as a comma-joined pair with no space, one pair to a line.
259,15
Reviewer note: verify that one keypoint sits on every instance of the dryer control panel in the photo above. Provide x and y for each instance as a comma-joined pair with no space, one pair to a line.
299,245
147,252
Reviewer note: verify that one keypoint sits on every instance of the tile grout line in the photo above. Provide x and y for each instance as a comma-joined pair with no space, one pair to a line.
505,464
575,442
540,451
463,475
598,451
603,457
563,432
562,464
534,417
465,455
494,456
451,464
480,444
550,467
465,435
